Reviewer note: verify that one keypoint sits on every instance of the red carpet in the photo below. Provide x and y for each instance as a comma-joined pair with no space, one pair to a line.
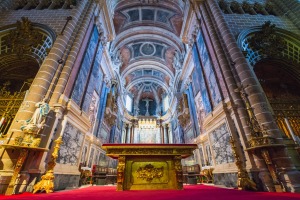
190,192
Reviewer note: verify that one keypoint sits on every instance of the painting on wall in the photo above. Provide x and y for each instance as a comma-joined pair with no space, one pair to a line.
117,136
189,136
83,155
201,154
178,135
201,81
174,124
103,135
195,82
93,108
94,82
96,159
91,157
81,81
220,144
200,112
103,160
70,148
207,66
209,159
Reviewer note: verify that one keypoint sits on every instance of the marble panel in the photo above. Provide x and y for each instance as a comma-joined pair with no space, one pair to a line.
220,144
70,148
226,179
66,181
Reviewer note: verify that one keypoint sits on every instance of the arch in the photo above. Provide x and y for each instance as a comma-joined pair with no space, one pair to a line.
291,51
38,52
281,85
23,48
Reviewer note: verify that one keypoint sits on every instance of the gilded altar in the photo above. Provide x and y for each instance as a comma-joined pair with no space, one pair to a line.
149,166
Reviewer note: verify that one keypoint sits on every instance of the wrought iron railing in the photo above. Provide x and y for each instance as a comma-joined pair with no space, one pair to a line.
287,116
9,106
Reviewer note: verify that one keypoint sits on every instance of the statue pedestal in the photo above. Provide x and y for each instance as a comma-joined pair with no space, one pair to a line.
149,166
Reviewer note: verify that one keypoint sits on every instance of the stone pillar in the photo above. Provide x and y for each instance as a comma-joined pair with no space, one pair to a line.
40,88
161,128
128,134
68,69
125,134
169,133
132,134
166,134
45,75
245,77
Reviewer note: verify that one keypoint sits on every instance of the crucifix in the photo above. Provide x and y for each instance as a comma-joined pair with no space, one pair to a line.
147,106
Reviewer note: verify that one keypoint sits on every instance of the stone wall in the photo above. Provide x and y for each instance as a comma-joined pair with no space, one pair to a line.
65,181
55,19
239,22
226,179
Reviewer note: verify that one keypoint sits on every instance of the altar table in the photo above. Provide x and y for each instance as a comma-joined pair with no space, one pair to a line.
149,166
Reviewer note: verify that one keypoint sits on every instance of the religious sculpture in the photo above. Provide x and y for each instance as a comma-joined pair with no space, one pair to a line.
32,126
147,106
177,61
38,117
117,60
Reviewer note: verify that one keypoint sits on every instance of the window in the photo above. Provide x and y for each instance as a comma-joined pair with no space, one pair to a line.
128,103
166,103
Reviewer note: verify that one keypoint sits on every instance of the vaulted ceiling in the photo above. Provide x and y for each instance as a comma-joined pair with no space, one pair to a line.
147,40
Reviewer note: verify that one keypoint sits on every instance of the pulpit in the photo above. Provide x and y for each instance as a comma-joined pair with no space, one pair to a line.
149,166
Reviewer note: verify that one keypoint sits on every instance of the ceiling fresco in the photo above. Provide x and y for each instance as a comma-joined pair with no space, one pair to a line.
147,41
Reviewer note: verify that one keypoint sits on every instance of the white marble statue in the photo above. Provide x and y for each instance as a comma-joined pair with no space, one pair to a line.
37,120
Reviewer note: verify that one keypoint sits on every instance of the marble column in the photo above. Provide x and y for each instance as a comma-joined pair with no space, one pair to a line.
128,134
169,133
162,133
132,134
166,138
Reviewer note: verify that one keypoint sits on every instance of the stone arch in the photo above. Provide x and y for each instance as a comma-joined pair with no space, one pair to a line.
290,50
19,52
278,72
280,81
23,47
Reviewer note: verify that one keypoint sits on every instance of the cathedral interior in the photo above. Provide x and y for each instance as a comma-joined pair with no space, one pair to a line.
77,75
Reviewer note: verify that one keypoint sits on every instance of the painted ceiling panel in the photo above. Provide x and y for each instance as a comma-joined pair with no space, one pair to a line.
147,37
